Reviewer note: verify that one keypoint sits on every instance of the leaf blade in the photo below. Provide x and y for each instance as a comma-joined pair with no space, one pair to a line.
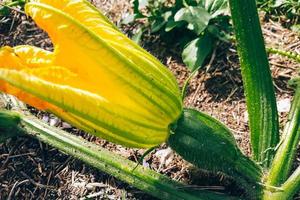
196,51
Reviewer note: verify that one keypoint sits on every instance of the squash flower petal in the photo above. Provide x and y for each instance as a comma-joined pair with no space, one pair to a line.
96,78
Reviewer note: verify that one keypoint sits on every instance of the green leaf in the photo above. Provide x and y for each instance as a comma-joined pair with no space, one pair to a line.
216,32
191,2
196,17
296,28
6,6
279,3
294,82
4,11
9,125
216,7
138,36
196,51
157,24
171,24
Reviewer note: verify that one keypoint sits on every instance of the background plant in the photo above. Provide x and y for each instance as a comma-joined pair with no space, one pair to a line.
7,5
288,9
194,26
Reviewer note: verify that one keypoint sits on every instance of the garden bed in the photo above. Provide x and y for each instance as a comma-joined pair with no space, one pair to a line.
32,170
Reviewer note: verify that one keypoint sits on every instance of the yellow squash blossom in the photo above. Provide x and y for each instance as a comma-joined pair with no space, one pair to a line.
96,78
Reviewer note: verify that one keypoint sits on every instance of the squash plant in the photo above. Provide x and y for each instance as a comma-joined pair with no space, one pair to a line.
102,82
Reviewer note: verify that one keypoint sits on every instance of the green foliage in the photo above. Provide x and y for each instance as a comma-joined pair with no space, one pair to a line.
288,8
9,125
6,6
192,25
196,17
197,50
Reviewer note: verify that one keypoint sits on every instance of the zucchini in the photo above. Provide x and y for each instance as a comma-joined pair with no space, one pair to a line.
208,144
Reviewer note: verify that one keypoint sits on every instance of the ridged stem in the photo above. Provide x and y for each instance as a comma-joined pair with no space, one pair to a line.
286,153
140,177
288,54
259,91
292,185
287,190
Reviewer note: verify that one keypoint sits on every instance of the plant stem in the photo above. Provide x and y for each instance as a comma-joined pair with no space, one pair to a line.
208,144
286,153
259,91
292,185
288,54
142,178
287,190
186,83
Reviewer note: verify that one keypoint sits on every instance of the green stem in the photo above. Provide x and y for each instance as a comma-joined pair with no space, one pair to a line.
292,185
140,177
208,144
259,91
14,3
288,54
186,84
287,190
286,153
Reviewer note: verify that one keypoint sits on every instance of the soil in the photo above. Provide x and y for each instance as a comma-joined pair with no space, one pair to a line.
30,169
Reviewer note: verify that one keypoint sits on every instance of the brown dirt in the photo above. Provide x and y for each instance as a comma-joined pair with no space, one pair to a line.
30,169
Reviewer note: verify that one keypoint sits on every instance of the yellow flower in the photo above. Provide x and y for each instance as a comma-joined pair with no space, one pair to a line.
96,78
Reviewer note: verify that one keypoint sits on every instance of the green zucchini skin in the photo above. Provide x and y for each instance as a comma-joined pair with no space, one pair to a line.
208,144
258,85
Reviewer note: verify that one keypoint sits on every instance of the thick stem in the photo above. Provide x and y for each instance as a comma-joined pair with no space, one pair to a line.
142,178
286,153
208,144
287,190
292,185
259,91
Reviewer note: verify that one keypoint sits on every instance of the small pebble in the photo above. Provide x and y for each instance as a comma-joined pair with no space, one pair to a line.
53,121
66,125
45,118
284,105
